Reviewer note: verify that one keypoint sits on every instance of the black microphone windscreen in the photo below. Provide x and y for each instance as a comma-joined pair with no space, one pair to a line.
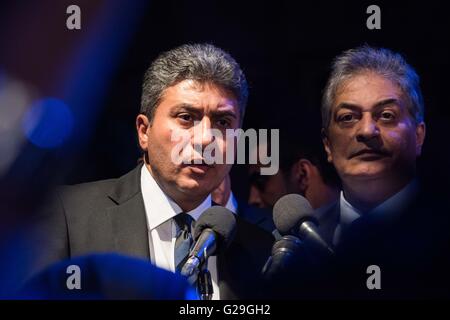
221,221
289,211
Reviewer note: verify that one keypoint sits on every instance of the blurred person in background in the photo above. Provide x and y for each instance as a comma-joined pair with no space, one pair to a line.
303,170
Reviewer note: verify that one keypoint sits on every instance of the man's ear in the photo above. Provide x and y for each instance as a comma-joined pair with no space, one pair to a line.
301,171
142,125
420,137
326,144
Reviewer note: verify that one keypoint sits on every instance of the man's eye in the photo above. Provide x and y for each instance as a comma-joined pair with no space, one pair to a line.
185,117
224,123
387,116
348,117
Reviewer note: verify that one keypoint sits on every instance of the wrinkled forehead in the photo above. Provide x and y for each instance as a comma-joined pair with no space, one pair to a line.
366,88
199,94
199,99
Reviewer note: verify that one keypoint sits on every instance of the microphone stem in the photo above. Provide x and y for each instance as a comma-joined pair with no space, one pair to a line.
205,285
191,266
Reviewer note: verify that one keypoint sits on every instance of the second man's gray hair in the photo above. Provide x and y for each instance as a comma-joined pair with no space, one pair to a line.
383,62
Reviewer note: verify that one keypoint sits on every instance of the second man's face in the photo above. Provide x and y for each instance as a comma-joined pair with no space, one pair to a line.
190,108
371,132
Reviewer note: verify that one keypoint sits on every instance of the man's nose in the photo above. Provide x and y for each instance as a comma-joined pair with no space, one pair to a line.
367,129
202,133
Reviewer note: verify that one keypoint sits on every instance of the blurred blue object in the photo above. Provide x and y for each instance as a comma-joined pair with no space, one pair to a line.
48,123
107,276
77,68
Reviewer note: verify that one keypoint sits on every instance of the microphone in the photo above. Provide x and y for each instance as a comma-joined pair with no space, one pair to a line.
283,251
213,232
293,215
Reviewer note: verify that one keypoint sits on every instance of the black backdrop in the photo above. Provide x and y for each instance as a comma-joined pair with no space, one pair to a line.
285,49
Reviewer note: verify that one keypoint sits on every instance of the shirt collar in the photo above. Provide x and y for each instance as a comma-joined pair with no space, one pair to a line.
232,204
348,212
399,201
158,206
394,204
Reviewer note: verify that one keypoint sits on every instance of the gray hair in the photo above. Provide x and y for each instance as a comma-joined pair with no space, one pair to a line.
383,62
204,63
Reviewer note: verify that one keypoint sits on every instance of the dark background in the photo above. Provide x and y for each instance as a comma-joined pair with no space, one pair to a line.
284,47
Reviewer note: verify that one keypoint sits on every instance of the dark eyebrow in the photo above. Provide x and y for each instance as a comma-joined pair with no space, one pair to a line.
225,113
355,107
189,108
346,105
385,102
186,107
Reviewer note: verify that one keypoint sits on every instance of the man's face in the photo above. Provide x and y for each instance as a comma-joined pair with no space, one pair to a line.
265,190
371,133
187,107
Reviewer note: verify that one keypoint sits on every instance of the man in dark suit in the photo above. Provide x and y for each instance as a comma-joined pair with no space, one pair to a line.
390,235
374,130
187,92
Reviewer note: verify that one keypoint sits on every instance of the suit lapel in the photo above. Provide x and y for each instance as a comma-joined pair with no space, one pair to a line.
127,216
328,218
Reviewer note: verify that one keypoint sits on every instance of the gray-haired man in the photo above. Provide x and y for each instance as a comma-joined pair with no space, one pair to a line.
192,88
374,130
390,238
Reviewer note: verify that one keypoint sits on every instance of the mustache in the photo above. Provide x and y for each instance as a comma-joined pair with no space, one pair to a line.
374,151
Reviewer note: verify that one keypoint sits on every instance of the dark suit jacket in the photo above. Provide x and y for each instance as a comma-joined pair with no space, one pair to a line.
411,247
257,216
109,216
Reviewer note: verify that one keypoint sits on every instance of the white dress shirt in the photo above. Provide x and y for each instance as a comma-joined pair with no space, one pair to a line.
232,204
162,229
394,204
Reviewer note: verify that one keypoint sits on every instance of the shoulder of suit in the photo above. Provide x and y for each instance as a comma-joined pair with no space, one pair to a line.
87,189
117,189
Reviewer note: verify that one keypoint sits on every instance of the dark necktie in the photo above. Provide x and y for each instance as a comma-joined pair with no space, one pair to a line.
184,239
